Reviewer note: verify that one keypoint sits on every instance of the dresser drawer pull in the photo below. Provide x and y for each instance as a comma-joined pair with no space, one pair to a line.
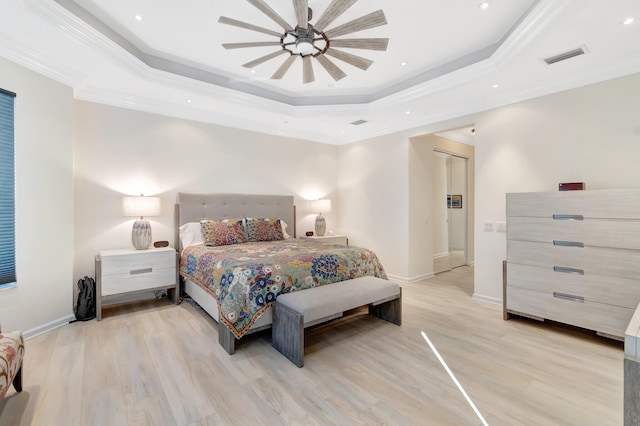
566,270
567,243
568,217
570,297
140,271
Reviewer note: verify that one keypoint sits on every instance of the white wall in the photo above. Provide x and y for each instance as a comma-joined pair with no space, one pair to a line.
589,134
123,152
44,202
373,189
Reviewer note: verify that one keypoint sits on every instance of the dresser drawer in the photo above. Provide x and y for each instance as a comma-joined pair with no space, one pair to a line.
605,203
590,232
590,260
616,291
608,319
138,280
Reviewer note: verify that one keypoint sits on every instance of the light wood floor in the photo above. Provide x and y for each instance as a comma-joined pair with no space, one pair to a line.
153,363
453,259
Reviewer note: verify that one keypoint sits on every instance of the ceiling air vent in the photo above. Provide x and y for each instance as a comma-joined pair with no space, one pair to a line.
359,122
564,56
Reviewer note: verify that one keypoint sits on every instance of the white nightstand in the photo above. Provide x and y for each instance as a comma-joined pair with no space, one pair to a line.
330,239
133,271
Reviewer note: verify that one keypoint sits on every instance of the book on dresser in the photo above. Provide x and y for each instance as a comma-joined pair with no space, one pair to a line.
574,257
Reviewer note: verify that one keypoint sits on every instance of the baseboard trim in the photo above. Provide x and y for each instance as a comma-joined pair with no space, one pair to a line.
410,280
36,331
487,299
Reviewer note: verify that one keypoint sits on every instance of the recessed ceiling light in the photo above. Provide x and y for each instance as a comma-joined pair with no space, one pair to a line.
495,86
408,112
189,101
403,63
253,71
138,17
629,21
483,5
343,131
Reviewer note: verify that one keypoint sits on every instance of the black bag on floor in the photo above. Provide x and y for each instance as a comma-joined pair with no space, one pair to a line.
86,304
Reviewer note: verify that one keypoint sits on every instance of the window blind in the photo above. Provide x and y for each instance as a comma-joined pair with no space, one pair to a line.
7,191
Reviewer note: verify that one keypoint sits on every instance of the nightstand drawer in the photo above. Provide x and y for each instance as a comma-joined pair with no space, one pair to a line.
138,279
126,263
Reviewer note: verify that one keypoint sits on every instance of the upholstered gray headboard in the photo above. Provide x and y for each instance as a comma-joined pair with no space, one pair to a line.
196,207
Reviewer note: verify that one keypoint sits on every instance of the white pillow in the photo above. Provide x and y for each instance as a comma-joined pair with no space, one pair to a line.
284,229
190,234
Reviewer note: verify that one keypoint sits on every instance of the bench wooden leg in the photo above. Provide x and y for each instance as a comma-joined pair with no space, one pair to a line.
226,339
287,333
17,381
389,311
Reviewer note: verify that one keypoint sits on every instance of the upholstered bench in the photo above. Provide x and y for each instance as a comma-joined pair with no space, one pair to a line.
293,312
11,355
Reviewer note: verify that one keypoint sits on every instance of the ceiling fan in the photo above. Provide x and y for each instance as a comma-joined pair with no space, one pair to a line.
313,41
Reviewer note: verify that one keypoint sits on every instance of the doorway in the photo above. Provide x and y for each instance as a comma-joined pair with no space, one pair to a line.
450,206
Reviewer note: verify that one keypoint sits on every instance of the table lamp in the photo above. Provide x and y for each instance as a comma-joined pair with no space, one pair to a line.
321,206
143,207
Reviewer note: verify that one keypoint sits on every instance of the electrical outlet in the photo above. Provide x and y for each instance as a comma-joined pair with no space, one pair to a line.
488,227
501,226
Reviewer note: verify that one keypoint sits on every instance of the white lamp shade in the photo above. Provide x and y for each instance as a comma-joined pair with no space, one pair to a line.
141,206
321,206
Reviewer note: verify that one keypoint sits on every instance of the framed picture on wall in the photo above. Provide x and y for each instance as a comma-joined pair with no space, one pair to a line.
448,201
456,202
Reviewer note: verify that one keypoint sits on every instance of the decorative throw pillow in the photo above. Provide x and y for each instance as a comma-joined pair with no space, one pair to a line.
264,229
190,234
229,231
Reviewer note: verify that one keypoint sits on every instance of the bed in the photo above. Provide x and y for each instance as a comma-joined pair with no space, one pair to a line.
236,283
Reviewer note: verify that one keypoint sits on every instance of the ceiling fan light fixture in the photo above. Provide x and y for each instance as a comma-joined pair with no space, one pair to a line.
309,42
304,46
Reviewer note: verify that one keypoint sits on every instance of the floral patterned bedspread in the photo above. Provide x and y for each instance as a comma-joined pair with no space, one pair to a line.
246,278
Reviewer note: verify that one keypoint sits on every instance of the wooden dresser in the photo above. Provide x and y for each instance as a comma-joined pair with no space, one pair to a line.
574,257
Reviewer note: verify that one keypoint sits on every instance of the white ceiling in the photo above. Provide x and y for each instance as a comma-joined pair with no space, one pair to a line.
172,62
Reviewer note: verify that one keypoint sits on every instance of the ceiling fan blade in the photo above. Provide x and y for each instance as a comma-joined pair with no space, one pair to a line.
335,9
331,68
307,70
281,71
250,44
356,61
264,58
302,12
264,8
371,20
236,23
362,43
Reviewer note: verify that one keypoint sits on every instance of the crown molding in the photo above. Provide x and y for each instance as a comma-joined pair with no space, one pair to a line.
544,12
217,117
35,61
